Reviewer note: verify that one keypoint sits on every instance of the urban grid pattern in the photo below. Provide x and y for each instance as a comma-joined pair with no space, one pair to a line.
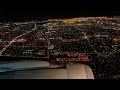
94,41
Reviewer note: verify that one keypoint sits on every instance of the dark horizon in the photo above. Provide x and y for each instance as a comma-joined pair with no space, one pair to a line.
52,15
42,11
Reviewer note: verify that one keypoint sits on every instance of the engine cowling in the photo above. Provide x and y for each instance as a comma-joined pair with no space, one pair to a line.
72,71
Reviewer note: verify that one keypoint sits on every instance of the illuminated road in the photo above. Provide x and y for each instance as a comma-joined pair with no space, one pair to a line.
13,40
83,32
86,37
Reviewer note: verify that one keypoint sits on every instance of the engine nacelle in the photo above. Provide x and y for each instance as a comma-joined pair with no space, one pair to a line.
72,71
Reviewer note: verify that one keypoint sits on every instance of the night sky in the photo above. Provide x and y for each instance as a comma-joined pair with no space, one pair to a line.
32,10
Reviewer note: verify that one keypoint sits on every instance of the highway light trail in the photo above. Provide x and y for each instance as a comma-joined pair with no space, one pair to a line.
13,40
